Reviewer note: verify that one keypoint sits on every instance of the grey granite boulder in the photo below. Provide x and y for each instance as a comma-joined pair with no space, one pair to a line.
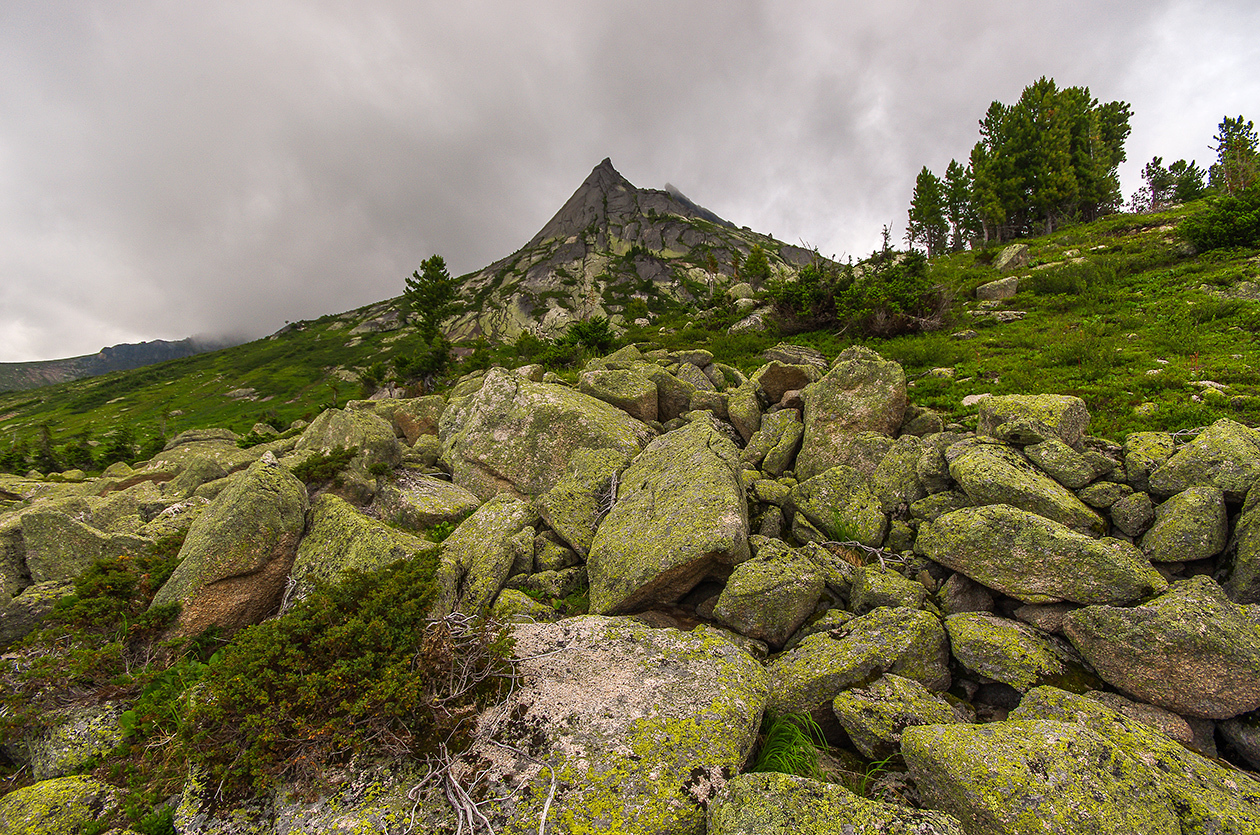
1226,456
861,392
991,474
1191,525
875,716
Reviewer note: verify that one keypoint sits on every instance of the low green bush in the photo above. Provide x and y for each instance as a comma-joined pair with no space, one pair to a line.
1225,221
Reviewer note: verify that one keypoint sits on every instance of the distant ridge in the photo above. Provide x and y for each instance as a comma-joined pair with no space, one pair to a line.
20,376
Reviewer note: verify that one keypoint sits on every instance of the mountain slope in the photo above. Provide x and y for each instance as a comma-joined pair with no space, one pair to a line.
612,249
19,376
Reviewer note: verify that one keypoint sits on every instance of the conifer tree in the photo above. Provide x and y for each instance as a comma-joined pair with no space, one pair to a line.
431,293
1237,160
928,225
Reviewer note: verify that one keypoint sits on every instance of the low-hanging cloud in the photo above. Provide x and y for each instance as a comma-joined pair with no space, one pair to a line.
209,168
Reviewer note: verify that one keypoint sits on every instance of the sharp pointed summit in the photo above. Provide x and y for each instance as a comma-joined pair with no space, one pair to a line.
614,250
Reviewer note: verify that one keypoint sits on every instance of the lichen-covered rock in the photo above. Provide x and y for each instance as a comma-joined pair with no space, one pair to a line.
517,437
197,471
515,606
906,642
959,594
639,728
932,507
1015,653
776,379
680,512
60,547
932,468
1133,514
1242,736
874,716
1016,777
784,804
77,735
744,411
552,584
1191,525
1206,797
586,491
62,806
770,596
839,502
411,417
1226,456
479,554
1062,463
896,478
991,474
776,428
1191,650
238,553
1035,559
875,586
1195,734
419,501
1145,452
627,389
1032,418
21,615
861,392
340,540
14,576
175,519
1242,580
371,434
1103,494
782,454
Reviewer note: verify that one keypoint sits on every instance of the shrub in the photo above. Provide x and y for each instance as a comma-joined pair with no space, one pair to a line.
352,667
325,466
1226,221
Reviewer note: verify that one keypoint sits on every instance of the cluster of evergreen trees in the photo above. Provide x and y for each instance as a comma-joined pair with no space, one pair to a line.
1049,157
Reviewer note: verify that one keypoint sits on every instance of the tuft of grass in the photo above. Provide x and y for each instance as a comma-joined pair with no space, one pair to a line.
789,745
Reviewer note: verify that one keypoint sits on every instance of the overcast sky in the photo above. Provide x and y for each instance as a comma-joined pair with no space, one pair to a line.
178,168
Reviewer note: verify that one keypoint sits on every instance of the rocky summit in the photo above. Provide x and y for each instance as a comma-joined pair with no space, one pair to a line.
612,247
1020,629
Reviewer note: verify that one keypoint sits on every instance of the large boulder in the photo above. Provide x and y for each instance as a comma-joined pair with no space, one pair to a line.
237,556
770,596
1242,582
1191,650
62,806
1206,796
875,716
906,642
418,501
477,558
77,736
1226,456
993,474
1035,559
1033,776
840,504
371,434
1015,653
410,417
1191,525
784,804
340,540
514,436
583,495
60,547
625,388
14,575
636,727
861,392
680,512
1032,418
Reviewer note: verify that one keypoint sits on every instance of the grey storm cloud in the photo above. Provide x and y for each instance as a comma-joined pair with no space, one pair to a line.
217,168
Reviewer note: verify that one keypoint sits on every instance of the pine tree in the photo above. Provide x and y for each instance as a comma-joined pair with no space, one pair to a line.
927,214
757,267
431,293
958,211
1236,156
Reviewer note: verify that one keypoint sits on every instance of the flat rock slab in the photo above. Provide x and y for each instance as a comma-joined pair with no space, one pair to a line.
680,512
1192,650
1035,559
639,727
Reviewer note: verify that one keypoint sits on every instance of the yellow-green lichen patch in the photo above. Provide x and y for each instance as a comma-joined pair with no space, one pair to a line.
62,806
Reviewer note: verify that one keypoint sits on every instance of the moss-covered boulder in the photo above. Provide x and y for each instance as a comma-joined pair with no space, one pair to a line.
237,556
62,806
28,608
638,727
1242,580
371,434
60,547
680,512
627,389
1226,456
781,428
1036,776
1032,418
784,804
1015,653
76,736
1191,650
896,479
1062,463
770,596
340,539
1144,453
840,504
1035,559
875,716
1191,525
875,586
478,556
1207,797
862,391
906,642
418,501
517,437
583,495
992,474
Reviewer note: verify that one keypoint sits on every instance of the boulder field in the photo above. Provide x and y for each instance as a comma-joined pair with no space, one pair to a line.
1028,629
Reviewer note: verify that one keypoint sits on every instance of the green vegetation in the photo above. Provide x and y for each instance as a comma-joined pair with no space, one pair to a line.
325,466
789,744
